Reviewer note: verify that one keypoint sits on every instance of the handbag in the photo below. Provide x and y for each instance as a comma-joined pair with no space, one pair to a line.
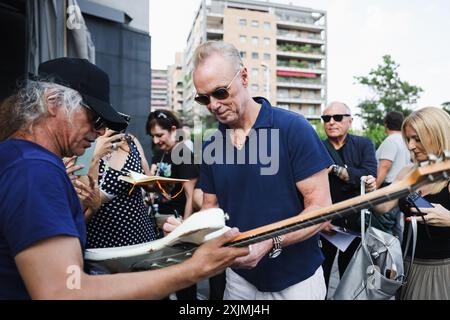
375,271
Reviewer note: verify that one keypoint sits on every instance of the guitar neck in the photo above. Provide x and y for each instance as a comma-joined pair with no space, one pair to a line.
338,210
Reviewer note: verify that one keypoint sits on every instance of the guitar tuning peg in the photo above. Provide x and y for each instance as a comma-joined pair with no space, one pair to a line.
432,158
446,155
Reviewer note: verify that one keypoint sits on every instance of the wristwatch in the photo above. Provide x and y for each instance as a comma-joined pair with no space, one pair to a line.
276,250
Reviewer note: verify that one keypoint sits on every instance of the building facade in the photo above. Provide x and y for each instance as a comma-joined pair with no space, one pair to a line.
283,46
120,33
160,90
175,79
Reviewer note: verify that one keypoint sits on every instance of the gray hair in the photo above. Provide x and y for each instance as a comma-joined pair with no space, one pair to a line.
31,105
226,50
347,109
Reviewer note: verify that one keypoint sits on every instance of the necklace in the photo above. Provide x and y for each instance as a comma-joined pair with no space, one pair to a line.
238,137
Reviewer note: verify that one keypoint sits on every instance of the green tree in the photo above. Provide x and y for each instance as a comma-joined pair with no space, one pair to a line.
376,133
390,94
319,129
186,117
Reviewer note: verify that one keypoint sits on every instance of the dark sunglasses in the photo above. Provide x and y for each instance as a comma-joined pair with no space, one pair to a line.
219,94
336,117
97,121
159,115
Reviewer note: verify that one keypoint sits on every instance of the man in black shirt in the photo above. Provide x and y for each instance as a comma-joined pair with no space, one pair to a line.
354,157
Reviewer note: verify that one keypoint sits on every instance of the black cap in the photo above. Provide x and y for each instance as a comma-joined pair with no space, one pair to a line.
90,81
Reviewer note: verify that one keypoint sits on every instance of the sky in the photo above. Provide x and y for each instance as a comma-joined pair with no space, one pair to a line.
360,32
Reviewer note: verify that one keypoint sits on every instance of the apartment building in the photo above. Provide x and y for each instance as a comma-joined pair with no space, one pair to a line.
175,78
283,46
160,90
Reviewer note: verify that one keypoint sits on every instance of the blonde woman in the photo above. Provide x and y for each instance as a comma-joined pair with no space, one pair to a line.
427,131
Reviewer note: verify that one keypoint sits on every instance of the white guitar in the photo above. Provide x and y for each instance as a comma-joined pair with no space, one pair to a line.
173,248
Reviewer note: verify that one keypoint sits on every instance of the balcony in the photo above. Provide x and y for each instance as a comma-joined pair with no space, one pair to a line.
160,87
159,103
300,85
299,66
301,55
293,47
298,25
215,11
299,37
300,101
295,99
214,29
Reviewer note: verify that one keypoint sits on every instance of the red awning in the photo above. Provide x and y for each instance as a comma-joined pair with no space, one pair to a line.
296,74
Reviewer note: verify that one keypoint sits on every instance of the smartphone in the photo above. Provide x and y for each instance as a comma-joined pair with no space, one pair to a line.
127,119
85,159
416,200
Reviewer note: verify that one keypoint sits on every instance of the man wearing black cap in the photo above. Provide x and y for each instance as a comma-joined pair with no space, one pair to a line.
42,231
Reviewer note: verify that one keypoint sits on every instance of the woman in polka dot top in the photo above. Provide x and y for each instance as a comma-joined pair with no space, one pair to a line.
123,218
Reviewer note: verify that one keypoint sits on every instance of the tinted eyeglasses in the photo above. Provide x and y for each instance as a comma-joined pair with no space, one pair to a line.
219,94
336,117
97,121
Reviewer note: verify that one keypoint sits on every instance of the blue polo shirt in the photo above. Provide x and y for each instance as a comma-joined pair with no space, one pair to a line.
253,199
37,202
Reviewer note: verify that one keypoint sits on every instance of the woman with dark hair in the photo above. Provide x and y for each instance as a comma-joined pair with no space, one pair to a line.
174,159
166,131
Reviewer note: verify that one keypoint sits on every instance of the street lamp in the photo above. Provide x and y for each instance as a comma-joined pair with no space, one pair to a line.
267,79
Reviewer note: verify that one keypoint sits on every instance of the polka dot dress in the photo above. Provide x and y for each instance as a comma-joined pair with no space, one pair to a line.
124,220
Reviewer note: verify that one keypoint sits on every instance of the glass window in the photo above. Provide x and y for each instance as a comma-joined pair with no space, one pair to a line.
255,55
267,41
255,72
243,22
266,25
255,40
243,54
255,23
283,93
255,88
242,39
266,56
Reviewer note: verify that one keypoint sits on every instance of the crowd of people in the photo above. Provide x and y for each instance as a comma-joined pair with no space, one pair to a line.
49,214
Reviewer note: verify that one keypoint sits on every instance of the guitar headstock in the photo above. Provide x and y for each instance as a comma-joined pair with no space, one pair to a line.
433,170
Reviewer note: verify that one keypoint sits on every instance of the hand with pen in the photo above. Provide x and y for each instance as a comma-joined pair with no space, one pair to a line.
171,223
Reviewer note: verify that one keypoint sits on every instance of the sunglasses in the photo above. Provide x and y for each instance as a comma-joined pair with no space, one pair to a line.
159,115
97,121
336,117
219,94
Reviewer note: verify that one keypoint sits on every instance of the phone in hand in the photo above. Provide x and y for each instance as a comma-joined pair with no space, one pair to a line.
416,200
85,159
127,119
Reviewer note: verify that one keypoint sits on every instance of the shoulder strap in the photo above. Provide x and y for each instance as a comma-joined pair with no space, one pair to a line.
334,154
412,232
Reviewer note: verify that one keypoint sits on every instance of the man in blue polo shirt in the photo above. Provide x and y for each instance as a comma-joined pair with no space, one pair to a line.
264,164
